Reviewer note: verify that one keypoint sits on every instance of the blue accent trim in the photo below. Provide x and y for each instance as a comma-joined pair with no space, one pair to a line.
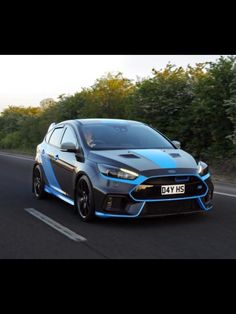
105,215
202,205
160,158
170,199
58,194
49,173
206,176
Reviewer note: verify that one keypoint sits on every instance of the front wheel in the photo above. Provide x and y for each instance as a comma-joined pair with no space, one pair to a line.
84,202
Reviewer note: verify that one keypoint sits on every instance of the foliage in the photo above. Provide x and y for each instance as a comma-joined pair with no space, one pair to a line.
196,105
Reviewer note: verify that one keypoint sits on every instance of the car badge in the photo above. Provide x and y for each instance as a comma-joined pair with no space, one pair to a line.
171,171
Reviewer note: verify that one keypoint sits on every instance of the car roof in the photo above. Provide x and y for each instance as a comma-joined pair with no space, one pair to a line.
101,120
92,121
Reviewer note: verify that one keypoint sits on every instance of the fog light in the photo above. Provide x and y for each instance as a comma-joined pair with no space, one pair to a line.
115,204
109,203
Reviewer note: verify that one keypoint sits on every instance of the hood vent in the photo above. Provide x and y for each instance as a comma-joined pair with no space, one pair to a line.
174,155
129,156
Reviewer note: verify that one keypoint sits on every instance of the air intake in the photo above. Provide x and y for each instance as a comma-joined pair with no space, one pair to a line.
129,156
174,155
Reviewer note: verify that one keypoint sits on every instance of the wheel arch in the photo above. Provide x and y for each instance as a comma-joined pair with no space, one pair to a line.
78,176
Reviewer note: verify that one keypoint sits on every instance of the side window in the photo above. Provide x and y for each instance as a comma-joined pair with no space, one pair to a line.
69,137
56,137
48,136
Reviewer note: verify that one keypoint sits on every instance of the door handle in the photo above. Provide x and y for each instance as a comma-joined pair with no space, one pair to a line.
56,157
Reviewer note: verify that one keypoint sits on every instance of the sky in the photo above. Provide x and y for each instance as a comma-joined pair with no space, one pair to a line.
25,80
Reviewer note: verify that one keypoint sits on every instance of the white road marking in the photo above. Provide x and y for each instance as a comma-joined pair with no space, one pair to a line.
17,157
226,194
55,225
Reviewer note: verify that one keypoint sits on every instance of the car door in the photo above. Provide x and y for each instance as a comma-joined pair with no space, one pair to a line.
66,163
50,155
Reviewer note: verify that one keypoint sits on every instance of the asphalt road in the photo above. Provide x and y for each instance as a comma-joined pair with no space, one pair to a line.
22,235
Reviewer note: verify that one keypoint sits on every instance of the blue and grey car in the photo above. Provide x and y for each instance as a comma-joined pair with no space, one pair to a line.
119,168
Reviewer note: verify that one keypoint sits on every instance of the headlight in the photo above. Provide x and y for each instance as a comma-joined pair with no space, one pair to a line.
118,173
202,168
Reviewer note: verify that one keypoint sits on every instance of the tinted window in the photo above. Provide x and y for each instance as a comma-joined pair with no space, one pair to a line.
48,136
122,136
69,136
56,137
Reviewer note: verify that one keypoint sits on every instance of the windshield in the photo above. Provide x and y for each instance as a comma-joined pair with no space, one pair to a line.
122,136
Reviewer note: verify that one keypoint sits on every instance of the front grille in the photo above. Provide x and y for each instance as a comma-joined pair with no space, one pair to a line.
170,207
151,188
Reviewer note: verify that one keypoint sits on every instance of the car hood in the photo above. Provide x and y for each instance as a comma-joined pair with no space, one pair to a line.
145,159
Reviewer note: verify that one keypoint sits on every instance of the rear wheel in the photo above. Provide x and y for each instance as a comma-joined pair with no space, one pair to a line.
84,202
38,183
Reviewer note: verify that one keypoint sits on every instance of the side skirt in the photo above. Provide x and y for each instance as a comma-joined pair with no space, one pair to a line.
59,195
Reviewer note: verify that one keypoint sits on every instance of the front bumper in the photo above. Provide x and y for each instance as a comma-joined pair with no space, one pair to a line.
120,199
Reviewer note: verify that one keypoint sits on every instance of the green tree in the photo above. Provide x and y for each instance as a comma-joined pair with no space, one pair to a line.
163,100
230,105
196,105
211,125
109,97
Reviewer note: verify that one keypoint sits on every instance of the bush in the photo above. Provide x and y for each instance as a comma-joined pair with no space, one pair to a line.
196,105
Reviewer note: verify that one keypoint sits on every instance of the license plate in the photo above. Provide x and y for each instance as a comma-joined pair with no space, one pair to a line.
173,189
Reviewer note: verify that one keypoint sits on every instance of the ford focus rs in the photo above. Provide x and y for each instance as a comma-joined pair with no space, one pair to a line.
119,168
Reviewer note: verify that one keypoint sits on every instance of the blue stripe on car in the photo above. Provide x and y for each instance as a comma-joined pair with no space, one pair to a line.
49,172
160,158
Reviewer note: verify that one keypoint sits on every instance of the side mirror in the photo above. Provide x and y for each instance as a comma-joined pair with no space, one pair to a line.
71,148
177,144
68,147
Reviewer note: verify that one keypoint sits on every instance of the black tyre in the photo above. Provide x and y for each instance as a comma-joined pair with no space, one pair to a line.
84,201
38,183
